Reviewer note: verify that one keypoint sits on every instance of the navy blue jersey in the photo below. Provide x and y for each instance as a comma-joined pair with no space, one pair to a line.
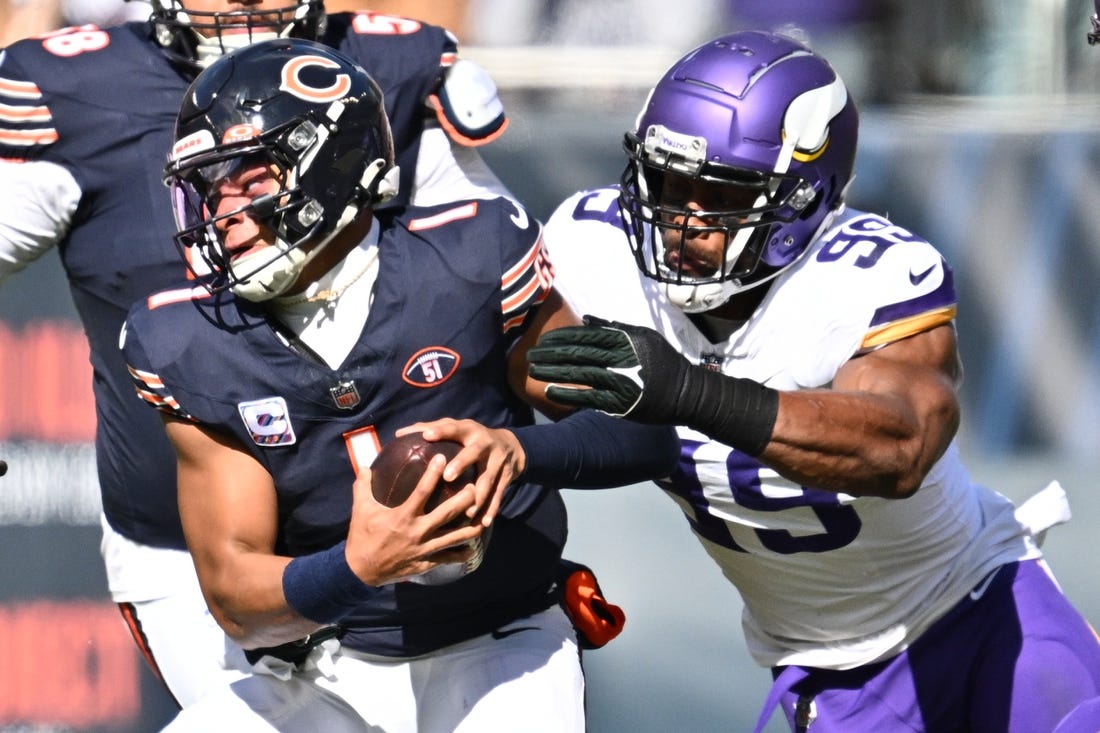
455,288
102,104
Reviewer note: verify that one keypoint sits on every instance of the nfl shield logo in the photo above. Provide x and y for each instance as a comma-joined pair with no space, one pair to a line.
711,362
345,395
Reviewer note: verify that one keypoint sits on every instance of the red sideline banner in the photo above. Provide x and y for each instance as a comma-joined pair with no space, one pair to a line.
46,383
67,663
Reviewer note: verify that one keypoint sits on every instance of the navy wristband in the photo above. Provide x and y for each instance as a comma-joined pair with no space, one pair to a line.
322,586
592,450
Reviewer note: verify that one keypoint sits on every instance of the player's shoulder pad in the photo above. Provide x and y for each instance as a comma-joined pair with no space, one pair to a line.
164,320
79,50
483,230
70,62
872,247
590,204
591,214
890,272
468,105
465,99
474,214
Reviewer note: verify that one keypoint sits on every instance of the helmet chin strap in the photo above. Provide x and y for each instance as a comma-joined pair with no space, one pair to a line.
273,273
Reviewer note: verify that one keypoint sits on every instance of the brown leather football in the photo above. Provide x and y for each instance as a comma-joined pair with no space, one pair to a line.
393,476
402,462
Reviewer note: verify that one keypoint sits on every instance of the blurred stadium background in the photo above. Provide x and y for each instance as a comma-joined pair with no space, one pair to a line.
981,132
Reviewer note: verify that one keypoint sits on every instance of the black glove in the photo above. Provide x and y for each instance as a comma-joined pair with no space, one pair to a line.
632,371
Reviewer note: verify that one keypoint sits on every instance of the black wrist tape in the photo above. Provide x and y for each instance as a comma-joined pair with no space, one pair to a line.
738,412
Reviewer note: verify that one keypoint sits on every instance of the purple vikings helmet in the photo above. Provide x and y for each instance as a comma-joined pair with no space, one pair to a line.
769,127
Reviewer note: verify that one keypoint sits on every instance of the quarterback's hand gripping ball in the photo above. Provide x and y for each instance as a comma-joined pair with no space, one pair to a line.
399,466
395,472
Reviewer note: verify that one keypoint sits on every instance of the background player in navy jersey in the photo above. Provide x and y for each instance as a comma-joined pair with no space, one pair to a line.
325,327
86,120
808,352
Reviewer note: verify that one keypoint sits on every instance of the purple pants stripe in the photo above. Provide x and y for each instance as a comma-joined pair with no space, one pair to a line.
1013,657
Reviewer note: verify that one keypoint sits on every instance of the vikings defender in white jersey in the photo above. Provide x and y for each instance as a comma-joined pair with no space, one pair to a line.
856,594
808,353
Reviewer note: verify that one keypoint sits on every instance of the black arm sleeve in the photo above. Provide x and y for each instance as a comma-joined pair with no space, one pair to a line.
592,450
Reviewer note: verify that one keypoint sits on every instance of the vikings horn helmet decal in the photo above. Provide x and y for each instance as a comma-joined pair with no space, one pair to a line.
769,130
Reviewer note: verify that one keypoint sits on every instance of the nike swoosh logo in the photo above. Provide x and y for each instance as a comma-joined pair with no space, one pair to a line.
519,218
917,277
977,593
505,633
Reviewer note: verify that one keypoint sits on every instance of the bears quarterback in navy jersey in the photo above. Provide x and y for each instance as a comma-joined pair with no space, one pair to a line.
453,290
325,327
86,117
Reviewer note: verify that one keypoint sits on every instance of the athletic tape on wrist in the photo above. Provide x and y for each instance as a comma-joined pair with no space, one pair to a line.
738,412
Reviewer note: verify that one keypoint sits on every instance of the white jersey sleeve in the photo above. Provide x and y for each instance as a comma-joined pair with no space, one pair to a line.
586,242
40,199
828,580
447,171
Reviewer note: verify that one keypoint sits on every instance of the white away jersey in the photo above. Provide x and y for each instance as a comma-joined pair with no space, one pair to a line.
828,580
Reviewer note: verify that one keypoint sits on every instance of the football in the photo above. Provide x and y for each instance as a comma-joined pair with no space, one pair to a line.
393,476
397,468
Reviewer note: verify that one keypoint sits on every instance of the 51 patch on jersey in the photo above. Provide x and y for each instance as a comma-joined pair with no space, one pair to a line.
431,367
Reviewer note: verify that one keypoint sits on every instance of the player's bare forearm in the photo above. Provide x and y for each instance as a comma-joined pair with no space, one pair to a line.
246,598
553,313
888,418
859,443
227,506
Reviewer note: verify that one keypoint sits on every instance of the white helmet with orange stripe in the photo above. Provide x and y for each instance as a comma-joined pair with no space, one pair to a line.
316,119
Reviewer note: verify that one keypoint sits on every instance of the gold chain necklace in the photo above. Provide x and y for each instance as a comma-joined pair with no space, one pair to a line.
330,296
